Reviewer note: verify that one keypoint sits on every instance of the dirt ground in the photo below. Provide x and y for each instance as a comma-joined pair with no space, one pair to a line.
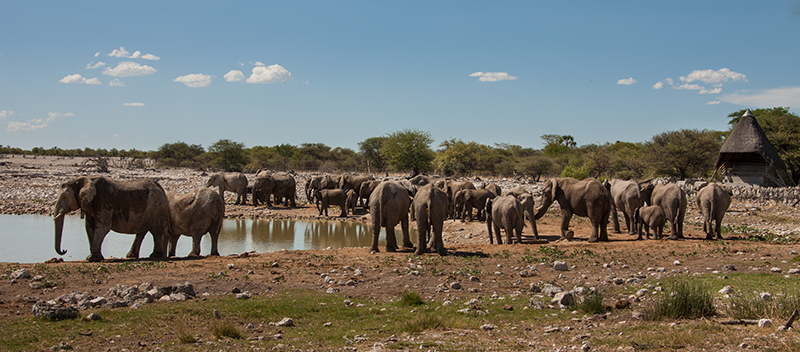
385,276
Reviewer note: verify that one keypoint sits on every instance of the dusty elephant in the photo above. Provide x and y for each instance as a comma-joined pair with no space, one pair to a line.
282,187
320,182
451,188
347,182
672,200
133,207
587,198
505,213
430,206
472,199
388,206
329,197
194,214
232,182
492,187
526,199
651,216
713,201
627,198
366,190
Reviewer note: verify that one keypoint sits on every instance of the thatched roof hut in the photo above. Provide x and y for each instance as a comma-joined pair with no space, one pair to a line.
748,157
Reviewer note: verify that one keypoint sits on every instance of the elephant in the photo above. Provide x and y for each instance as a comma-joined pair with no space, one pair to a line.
651,216
347,182
627,198
587,198
430,206
492,187
134,207
505,212
366,189
320,182
526,199
671,199
328,197
713,201
232,182
193,214
451,188
388,206
281,186
472,198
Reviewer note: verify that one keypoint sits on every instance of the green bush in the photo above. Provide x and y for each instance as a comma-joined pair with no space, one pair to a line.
686,300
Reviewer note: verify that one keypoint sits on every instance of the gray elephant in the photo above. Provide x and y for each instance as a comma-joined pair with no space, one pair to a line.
430,205
347,182
651,216
282,187
451,188
526,199
627,198
329,197
587,198
472,199
506,213
320,182
713,201
232,182
492,187
366,190
194,214
672,200
388,206
133,207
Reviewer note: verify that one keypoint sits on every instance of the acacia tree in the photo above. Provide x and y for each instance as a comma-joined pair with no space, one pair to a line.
177,154
457,156
370,150
783,131
408,149
683,153
228,155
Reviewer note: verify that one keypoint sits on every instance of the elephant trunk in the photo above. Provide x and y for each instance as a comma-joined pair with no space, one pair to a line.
59,220
546,202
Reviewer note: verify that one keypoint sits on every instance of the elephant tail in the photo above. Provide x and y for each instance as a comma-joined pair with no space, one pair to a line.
489,219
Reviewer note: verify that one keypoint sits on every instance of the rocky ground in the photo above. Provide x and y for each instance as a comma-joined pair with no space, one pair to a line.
624,266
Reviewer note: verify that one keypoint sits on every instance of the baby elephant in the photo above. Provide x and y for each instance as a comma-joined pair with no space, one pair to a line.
650,216
193,214
328,197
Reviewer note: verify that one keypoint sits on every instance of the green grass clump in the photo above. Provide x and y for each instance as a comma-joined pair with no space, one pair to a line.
226,330
751,306
592,304
424,322
410,298
686,300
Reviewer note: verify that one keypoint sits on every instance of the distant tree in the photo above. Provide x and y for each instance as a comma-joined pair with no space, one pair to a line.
177,154
536,165
684,153
783,131
228,155
408,150
557,144
370,150
312,156
459,157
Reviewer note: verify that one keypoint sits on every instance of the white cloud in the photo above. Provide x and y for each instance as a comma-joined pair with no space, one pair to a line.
259,63
116,83
627,81
133,104
78,79
92,65
195,80
787,96
35,124
97,54
658,85
129,68
713,102
269,74
121,52
234,76
5,113
716,78
713,91
492,76
688,86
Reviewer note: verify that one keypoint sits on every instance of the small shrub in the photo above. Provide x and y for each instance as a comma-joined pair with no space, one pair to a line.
686,300
410,298
424,322
750,306
226,330
592,304
186,338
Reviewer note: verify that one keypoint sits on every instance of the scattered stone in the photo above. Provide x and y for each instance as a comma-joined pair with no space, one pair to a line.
729,267
677,262
622,303
332,290
764,323
618,281
283,322
474,279
563,299
244,295
20,274
776,269
455,285
94,317
508,307
524,273
535,288
560,266
551,290
726,290
766,296
794,271
54,311
487,327
327,324
231,266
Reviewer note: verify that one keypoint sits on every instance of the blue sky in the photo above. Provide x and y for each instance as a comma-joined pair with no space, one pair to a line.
139,74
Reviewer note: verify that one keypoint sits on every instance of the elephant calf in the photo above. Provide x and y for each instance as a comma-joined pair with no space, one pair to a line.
650,217
472,198
505,212
327,197
193,214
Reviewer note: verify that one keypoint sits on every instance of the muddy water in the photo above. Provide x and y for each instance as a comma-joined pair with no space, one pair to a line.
30,238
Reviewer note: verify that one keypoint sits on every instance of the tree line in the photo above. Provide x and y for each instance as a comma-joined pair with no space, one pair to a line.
685,153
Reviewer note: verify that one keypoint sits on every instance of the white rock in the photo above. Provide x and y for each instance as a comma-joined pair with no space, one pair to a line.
764,323
726,290
560,266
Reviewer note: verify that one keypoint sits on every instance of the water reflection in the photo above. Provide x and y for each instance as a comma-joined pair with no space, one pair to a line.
29,238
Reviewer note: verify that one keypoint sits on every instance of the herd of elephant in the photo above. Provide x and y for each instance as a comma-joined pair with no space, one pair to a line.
141,205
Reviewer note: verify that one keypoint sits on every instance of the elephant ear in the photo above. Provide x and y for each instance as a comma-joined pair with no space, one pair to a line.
554,190
86,195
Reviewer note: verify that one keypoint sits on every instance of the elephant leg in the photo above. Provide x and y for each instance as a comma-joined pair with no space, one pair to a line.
214,232
344,210
133,253
391,239
173,244
718,229
614,219
438,242
99,231
498,236
196,237
509,229
674,233
422,236
376,232
406,234
565,217
533,227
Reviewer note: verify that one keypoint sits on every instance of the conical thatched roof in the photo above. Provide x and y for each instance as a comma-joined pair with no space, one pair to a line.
748,137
